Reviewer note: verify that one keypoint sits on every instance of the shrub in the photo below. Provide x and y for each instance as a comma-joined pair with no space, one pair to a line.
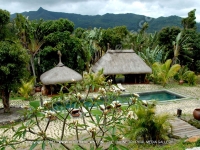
198,143
146,125
26,88
190,77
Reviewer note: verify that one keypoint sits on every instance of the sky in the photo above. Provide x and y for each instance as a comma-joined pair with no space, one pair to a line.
150,8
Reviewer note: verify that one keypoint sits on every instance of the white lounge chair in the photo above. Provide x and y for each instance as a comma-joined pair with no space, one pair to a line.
85,112
121,87
115,88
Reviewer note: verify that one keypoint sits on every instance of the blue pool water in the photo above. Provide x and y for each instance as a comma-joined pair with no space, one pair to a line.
160,96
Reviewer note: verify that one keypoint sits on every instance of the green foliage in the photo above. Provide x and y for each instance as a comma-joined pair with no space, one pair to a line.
151,56
166,36
4,20
163,72
113,36
198,65
181,47
107,20
187,75
26,88
102,126
198,143
190,78
58,37
144,125
93,80
13,60
91,46
189,22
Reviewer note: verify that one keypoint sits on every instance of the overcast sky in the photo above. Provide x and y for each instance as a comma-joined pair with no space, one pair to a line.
150,8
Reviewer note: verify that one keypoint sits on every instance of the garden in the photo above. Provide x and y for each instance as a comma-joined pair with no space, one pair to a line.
28,49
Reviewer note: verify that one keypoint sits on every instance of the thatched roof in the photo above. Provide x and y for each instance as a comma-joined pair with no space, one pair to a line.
60,74
121,62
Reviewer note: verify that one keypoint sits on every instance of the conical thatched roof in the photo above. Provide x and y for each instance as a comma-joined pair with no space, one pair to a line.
121,62
60,74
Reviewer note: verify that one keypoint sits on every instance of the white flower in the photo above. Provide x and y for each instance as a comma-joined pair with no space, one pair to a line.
116,103
91,129
96,97
40,108
102,90
46,102
110,81
78,95
49,114
130,115
136,95
73,80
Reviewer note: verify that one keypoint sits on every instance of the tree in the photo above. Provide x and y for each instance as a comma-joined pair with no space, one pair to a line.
30,36
13,60
58,36
4,20
113,36
181,47
166,37
189,22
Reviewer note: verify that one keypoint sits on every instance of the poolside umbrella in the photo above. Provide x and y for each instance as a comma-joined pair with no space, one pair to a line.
60,74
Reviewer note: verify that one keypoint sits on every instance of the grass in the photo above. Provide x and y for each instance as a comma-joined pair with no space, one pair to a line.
190,119
17,98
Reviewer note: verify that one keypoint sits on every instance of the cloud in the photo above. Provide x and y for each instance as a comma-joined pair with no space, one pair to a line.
153,8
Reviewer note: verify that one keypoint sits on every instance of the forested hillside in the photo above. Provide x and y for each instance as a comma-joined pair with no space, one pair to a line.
132,21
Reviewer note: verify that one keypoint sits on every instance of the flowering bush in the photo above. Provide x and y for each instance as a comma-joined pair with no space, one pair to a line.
100,129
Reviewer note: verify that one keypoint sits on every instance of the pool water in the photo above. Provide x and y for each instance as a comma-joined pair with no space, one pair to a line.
160,96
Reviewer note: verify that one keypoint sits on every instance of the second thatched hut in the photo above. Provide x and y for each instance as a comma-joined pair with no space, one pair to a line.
123,62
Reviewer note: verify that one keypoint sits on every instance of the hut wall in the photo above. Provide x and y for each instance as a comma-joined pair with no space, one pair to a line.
135,78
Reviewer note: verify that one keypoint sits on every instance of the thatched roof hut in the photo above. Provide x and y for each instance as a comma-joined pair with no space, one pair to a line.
60,74
121,62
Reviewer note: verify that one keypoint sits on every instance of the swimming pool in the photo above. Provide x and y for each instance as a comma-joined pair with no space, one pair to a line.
160,96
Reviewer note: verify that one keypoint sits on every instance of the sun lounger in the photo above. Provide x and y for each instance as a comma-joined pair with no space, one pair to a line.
75,113
85,112
115,88
121,87
102,107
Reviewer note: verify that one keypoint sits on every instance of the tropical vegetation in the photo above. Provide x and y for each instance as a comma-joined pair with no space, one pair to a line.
29,47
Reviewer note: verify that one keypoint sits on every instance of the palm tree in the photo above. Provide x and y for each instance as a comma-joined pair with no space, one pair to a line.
30,37
91,45
146,124
163,72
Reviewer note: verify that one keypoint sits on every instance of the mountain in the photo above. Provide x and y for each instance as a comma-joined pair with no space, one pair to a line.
132,21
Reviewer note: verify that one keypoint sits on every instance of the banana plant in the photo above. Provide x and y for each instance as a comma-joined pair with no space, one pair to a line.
91,45
179,44
151,56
